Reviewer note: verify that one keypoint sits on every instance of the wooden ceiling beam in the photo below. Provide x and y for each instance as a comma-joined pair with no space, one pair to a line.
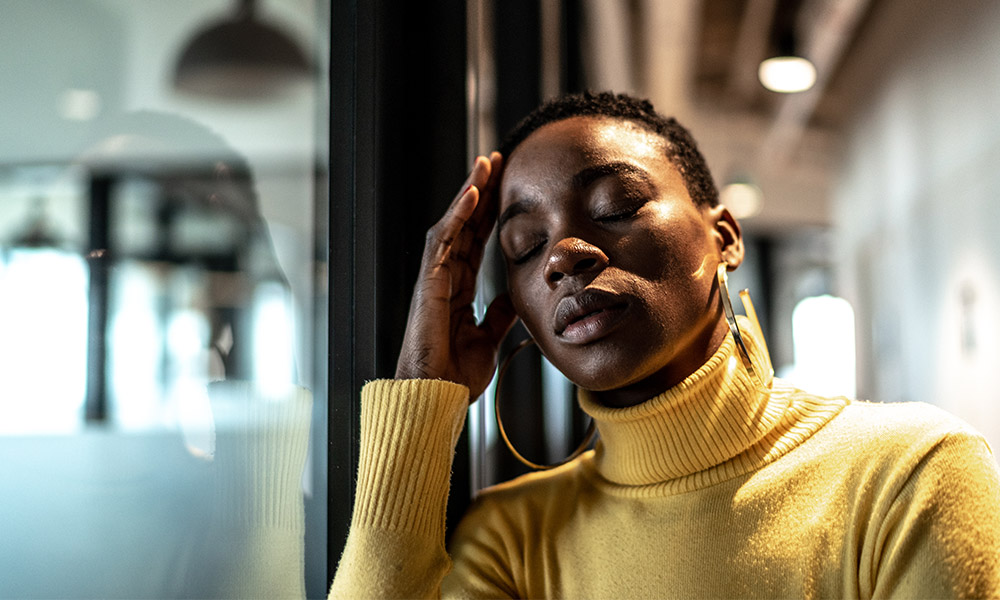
751,46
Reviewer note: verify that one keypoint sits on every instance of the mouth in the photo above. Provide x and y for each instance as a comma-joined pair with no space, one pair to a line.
588,316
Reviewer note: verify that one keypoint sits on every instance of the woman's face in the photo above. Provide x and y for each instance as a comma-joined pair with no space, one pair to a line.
611,266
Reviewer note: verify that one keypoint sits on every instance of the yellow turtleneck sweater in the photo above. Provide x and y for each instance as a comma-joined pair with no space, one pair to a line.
710,490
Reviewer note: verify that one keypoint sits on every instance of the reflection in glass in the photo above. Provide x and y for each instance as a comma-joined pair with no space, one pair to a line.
158,294
43,317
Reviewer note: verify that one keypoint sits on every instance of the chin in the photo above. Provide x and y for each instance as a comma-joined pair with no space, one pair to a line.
603,376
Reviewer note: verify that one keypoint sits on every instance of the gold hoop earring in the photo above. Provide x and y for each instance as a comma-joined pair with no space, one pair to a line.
727,308
588,438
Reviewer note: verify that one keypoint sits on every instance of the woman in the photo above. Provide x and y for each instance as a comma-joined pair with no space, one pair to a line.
710,479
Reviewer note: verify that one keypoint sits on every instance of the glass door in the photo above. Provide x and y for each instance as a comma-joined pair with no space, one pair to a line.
163,298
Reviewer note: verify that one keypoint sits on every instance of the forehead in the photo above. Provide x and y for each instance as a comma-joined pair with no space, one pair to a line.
555,152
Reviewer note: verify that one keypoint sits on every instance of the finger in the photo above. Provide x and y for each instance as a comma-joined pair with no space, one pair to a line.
496,165
442,238
472,247
482,221
477,177
453,244
492,184
451,223
490,198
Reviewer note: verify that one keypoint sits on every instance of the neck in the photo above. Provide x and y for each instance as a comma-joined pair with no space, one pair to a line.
719,412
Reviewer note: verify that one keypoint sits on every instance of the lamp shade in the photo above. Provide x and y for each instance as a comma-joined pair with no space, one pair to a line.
240,58
37,231
787,70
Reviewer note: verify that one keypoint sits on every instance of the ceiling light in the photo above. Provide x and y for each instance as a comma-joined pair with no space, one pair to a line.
240,57
787,74
743,199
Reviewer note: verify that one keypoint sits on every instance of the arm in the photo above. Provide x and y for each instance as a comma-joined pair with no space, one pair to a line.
410,425
396,543
941,535
252,544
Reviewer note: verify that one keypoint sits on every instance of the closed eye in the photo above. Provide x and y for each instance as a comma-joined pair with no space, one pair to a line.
619,215
524,257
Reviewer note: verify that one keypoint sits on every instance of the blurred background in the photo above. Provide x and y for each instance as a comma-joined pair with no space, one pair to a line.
212,214
163,291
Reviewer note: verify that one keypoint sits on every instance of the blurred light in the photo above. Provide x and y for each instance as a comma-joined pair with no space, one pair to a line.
787,74
43,317
195,418
742,199
273,340
187,336
137,340
79,105
823,336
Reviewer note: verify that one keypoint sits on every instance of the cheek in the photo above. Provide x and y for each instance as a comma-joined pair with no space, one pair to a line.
677,251
525,304
653,255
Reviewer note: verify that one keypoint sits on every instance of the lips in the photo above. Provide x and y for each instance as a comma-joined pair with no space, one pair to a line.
587,316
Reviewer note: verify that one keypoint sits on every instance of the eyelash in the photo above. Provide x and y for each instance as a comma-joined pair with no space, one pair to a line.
622,215
520,260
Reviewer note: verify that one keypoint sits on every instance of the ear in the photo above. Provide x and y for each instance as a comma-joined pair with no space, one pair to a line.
727,235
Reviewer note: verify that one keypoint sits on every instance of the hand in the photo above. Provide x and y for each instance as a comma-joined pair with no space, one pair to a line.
443,340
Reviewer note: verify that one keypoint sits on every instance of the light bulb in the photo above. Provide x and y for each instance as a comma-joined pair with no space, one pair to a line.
787,74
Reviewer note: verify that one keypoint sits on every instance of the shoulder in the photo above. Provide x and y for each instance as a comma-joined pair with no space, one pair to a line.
895,445
914,426
933,485
859,421
504,521
531,502
866,418
537,490
861,442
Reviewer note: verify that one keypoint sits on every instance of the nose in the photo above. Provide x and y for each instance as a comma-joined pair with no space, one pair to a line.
573,256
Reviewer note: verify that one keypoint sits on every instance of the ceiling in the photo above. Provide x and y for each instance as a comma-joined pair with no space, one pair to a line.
735,35
697,59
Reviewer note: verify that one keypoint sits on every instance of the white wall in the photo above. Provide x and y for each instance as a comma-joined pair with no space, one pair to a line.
917,214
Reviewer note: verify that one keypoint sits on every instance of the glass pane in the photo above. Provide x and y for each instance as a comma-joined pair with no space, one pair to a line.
163,297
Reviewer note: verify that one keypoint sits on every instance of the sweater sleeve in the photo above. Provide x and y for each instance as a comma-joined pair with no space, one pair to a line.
941,535
396,544
252,546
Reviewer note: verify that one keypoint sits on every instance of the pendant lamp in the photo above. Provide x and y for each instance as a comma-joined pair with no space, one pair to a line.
240,57
787,72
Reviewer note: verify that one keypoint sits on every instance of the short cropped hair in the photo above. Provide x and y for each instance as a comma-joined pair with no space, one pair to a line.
681,148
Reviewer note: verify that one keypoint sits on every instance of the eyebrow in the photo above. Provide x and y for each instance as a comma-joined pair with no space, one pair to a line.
591,174
517,208
579,181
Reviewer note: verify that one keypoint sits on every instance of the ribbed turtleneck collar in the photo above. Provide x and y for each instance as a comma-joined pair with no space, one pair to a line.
718,415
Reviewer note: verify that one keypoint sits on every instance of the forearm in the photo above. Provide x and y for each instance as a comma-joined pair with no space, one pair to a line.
396,546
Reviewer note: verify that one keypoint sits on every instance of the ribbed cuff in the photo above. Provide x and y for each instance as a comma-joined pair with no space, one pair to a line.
261,447
409,429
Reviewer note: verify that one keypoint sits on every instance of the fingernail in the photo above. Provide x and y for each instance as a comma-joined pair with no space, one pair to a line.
467,188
